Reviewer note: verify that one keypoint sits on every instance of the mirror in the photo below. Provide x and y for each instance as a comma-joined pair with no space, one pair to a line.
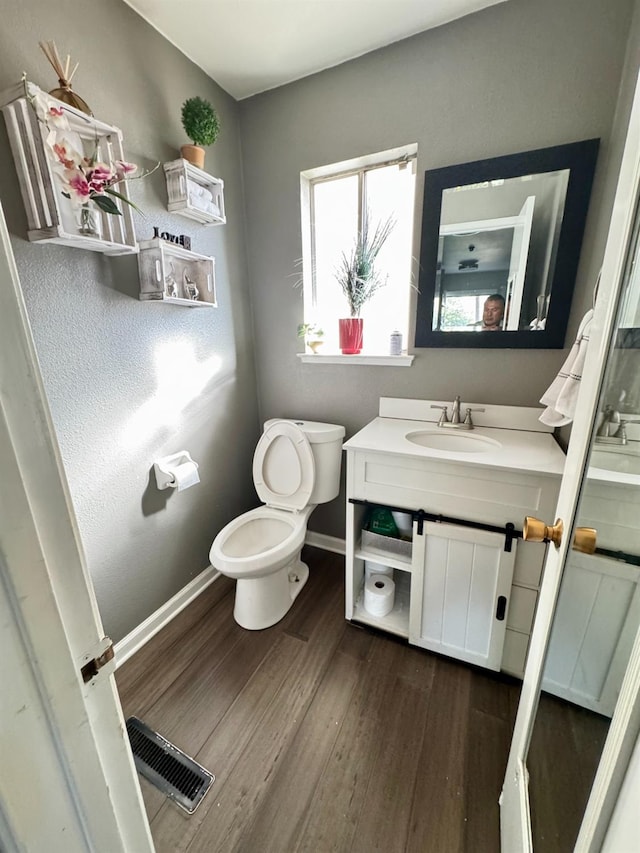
597,614
500,246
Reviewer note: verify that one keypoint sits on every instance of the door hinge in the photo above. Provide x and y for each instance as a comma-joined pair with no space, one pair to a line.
91,667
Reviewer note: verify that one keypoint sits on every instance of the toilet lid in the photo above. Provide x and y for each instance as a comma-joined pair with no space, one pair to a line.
284,470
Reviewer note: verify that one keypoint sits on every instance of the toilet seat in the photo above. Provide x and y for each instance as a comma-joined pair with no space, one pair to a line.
283,467
261,538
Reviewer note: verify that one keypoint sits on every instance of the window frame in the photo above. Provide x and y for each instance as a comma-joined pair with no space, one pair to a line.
309,179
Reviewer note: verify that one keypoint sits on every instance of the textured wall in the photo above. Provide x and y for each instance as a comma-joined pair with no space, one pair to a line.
514,77
129,381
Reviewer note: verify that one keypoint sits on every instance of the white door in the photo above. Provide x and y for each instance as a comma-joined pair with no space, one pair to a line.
67,780
518,263
515,815
460,601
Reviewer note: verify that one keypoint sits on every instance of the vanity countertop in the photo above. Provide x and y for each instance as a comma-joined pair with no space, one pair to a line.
516,449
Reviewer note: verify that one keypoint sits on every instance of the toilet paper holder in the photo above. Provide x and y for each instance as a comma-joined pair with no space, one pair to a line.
165,468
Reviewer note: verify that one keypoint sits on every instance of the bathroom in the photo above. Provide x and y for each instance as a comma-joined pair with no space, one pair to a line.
128,382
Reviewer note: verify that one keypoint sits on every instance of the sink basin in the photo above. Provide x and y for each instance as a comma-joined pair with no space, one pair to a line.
457,442
621,462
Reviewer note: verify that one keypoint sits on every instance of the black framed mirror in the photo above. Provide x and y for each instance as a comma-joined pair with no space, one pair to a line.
500,246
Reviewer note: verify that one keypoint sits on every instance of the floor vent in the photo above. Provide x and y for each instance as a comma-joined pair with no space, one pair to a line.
167,767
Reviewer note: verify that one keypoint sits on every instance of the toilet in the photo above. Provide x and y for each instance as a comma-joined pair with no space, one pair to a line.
296,465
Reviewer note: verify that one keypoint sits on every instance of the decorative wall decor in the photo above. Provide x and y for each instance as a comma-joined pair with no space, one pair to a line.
64,91
56,152
179,239
194,194
170,273
202,125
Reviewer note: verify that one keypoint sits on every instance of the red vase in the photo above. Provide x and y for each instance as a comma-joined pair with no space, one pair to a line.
351,335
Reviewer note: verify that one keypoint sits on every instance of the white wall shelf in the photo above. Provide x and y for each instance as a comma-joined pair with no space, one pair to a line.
194,193
51,217
176,276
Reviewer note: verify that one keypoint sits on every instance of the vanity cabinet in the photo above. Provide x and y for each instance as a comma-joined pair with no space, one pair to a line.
460,589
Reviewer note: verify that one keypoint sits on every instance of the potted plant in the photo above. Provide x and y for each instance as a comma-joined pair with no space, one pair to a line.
359,279
202,125
312,335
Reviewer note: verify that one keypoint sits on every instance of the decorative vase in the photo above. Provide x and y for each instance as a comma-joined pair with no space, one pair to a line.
89,223
351,335
193,154
66,94
313,346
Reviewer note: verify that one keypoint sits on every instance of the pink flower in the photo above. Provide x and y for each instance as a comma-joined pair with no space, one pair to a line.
80,186
65,154
100,177
124,169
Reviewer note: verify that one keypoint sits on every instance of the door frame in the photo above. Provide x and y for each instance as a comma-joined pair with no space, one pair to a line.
53,624
625,724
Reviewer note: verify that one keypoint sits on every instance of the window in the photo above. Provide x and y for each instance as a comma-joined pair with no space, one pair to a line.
334,201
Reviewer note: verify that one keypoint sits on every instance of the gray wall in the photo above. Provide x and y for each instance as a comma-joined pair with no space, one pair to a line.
518,76
97,344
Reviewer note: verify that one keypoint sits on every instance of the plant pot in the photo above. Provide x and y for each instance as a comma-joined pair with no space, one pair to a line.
194,155
314,346
350,335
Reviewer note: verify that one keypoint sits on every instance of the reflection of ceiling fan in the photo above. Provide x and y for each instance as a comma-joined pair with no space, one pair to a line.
468,263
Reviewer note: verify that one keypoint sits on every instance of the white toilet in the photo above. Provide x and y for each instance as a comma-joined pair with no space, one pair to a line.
296,465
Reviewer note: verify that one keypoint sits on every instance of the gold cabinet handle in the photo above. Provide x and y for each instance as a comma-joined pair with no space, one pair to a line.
585,540
535,530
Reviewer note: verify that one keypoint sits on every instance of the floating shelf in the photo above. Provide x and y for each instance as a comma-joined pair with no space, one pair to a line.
174,275
194,194
51,217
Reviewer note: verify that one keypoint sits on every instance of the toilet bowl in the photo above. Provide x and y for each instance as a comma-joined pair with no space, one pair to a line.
296,465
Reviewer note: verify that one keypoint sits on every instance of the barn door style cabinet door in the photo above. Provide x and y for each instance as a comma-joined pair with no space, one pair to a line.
51,217
459,600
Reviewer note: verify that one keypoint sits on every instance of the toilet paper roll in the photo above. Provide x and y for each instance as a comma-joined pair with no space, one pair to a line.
404,523
185,475
379,595
376,569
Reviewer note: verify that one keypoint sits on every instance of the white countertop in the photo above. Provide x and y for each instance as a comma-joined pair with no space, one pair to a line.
519,450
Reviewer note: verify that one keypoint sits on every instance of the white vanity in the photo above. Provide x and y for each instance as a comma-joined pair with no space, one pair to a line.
466,585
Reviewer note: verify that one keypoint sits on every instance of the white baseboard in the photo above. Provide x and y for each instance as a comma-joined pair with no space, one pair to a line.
137,638
327,543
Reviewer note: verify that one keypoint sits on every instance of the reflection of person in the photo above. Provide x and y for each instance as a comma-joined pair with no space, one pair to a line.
493,313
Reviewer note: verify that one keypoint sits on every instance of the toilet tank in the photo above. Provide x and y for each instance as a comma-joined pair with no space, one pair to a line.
326,445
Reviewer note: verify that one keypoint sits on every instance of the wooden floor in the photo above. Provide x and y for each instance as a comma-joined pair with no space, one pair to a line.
323,736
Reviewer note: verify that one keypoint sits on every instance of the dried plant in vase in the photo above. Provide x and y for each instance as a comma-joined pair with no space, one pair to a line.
64,93
359,279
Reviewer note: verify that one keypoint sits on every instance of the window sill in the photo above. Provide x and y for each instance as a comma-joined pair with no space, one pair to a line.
373,360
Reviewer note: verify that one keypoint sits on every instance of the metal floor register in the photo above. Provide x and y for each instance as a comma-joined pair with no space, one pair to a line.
168,768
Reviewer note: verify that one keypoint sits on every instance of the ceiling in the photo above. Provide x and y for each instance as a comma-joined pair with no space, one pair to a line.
249,46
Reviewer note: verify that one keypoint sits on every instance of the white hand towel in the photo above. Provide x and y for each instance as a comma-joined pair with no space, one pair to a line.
561,396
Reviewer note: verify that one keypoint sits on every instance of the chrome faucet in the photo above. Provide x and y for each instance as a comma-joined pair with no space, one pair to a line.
455,411
613,429
455,422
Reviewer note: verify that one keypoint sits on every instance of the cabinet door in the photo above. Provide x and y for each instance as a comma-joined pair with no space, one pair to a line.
459,604
593,631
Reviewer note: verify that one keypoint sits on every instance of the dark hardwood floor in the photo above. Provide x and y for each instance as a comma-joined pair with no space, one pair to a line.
323,736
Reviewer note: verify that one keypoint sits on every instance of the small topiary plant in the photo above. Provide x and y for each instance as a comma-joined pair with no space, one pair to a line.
200,121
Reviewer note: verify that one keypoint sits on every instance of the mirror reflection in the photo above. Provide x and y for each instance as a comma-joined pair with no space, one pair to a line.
497,246
598,611
501,240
